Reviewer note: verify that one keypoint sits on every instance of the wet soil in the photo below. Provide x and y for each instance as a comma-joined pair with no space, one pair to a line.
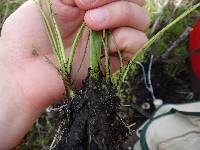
91,119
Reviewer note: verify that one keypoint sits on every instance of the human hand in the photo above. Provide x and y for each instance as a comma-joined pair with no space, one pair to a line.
28,84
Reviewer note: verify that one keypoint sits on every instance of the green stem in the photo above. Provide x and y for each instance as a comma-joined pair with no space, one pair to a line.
48,29
118,51
56,41
74,47
95,53
60,45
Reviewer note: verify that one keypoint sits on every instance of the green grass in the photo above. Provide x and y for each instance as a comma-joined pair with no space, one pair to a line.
8,6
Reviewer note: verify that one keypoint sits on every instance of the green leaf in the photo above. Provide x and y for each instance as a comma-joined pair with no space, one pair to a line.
95,53
74,47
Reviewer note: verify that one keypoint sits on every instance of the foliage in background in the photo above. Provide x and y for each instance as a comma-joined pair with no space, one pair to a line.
7,7
172,34
172,69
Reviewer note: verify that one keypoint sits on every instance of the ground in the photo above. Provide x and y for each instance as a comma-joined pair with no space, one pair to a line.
171,77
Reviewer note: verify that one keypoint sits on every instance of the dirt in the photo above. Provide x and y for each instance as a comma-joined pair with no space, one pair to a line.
92,121
93,117
171,82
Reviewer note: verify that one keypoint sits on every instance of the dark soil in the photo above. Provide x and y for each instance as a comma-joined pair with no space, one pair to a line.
172,83
91,119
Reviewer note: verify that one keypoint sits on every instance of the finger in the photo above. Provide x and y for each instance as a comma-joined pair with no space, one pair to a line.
127,39
118,14
68,17
90,4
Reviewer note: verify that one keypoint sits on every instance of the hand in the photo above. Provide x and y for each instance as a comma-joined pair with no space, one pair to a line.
28,84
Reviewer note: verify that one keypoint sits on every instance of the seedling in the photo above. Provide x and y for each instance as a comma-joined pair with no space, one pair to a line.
89,117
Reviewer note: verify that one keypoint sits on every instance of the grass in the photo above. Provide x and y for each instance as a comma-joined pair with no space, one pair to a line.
35,138
54,38
7,7
157,37
95,53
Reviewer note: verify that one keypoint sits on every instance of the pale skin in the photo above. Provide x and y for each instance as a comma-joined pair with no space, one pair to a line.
28,84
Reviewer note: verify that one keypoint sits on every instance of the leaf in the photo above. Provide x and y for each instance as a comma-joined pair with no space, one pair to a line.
95,53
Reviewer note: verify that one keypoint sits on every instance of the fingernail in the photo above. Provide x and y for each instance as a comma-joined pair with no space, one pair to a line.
99,15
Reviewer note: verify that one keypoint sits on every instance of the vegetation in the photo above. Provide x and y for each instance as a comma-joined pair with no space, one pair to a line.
172,67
